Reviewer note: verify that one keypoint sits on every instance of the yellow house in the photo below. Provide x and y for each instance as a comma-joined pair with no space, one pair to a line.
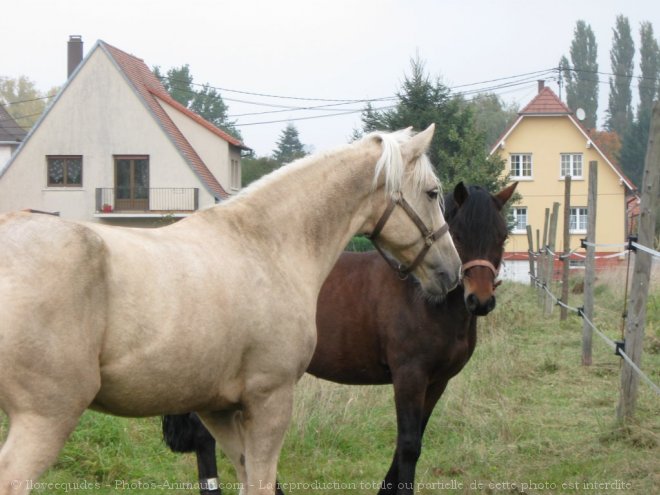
545,143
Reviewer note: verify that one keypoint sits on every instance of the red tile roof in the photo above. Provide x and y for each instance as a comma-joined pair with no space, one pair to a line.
546,102
150,91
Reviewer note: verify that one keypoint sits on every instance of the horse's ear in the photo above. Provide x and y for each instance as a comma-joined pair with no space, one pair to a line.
505,194
460,193
417,145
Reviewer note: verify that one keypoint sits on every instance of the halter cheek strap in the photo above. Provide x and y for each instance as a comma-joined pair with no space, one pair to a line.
429,235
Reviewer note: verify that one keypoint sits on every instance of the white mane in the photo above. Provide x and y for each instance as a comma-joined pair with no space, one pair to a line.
392,166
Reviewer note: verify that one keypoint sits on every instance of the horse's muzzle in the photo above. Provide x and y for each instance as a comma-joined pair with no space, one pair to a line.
477,307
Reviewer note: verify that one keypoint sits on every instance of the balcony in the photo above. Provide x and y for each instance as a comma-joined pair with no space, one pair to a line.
140,202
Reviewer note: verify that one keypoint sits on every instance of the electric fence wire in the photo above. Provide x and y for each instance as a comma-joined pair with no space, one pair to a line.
539,283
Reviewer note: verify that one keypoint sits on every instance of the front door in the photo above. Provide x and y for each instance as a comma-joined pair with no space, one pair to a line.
132,183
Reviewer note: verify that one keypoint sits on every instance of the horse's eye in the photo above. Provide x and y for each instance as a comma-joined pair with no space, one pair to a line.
432,194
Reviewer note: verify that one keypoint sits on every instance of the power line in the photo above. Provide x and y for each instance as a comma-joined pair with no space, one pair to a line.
17,102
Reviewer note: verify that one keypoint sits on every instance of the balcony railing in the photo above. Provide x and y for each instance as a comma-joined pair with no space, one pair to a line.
164,200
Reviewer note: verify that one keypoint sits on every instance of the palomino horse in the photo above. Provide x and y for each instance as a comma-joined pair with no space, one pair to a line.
196,316
374,328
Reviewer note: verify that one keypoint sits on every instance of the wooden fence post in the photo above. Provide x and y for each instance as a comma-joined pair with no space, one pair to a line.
530,242
543,256
590,262
552,236
634,334
563,314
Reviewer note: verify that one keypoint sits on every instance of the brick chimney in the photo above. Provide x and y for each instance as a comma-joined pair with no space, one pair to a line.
74,53
541,84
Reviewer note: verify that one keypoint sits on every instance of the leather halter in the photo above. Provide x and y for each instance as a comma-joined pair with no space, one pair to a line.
480,262
429,235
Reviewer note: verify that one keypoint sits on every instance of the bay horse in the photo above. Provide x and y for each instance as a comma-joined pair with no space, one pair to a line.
196,316
374,328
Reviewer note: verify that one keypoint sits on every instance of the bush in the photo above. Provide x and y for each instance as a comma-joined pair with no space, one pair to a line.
359,244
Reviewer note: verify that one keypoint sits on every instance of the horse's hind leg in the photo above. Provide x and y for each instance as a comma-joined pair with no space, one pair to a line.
33,444
207,467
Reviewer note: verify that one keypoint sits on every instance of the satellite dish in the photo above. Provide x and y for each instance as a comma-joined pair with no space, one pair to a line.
580,114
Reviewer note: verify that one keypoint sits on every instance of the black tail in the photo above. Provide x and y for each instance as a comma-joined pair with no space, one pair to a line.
184,432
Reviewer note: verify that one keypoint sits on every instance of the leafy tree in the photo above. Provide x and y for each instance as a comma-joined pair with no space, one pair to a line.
458,150
619,110
178,82
650,69
23,101
207,102
254,168
609,142
581,75
289,147
635,139
492,116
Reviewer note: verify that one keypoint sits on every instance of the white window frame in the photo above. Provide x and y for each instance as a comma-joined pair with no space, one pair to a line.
578,220
515,213
521,175
235,174
572,165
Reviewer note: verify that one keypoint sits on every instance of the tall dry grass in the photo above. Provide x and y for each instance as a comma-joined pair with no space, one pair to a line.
523,417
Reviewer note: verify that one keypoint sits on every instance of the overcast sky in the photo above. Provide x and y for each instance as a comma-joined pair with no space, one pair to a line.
318,51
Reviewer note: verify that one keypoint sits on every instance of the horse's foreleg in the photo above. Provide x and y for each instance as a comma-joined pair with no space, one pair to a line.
267,417
433,394
409,393
32,445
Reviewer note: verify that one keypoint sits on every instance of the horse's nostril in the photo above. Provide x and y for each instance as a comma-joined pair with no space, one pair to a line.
447,280
472,302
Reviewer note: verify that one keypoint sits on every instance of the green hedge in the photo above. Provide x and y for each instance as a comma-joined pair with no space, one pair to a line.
359,244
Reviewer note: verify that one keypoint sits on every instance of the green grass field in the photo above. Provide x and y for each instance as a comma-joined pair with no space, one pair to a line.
523,417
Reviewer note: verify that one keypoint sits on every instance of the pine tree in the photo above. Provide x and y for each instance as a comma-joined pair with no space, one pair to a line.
458,150
619,110
581,75
289,147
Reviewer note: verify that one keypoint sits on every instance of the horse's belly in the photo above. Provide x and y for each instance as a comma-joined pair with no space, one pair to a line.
137,396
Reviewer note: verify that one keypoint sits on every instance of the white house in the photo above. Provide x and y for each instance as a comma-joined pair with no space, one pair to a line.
115,147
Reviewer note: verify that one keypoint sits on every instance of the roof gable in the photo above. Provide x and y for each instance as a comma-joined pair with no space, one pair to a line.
149,89
547,104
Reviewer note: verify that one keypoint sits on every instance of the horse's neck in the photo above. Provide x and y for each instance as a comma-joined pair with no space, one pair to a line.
307,212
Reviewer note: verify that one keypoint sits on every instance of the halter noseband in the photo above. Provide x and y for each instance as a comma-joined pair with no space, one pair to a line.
429,235
481,262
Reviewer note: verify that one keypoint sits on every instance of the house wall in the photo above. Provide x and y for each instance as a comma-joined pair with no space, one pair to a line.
5,154
546,138
98,115
215,152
